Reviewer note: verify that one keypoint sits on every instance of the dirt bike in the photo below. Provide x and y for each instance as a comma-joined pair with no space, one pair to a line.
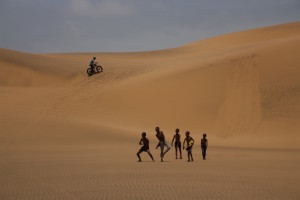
97,69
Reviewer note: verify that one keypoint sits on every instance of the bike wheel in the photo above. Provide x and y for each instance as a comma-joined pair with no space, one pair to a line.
99,69
89,71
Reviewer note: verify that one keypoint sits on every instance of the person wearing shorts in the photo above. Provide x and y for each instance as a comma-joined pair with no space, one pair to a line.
176,137
145,142
190,142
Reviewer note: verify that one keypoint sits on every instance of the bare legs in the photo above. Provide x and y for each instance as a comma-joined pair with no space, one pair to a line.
150,155
138,155
190,156
176,149
180,152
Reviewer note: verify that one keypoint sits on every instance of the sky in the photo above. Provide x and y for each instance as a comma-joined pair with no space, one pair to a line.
48,26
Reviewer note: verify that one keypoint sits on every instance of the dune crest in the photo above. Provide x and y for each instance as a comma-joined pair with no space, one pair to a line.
64,135
233,86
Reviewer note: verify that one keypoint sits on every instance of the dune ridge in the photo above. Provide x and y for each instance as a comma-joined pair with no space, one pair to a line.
64,135
239,84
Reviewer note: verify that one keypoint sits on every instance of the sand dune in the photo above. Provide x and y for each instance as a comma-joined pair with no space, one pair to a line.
75,137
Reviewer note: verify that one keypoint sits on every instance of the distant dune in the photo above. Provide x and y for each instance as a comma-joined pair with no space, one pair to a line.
241,88
64,135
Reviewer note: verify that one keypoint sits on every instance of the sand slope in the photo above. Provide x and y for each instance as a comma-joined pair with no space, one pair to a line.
242,89
238,85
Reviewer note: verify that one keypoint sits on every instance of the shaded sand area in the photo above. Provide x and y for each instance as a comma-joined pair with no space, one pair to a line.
68,136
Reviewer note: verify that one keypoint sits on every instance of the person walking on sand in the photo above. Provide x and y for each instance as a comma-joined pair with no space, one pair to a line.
162,143
190,142
204,145
176,137
145,142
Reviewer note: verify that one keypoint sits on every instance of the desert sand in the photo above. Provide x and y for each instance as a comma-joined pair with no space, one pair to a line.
64,135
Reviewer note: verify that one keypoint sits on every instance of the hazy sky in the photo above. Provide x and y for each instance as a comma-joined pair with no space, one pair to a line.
130,25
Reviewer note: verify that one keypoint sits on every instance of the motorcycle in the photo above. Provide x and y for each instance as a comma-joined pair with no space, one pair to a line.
97,69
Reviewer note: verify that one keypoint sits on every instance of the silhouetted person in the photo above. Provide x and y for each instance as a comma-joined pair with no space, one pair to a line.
93,63
145,142
204,145
176,137
190,142
162,143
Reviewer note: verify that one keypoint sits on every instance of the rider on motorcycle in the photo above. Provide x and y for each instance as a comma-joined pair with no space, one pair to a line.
93,63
